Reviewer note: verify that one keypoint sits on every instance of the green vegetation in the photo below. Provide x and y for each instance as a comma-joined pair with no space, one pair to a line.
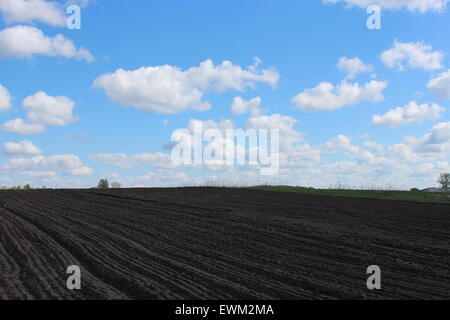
26,187
444,181
414,195
103,184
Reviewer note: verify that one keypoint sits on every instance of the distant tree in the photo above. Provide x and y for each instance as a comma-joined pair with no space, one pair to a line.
116,185
103,184
27,187
19,188
444,181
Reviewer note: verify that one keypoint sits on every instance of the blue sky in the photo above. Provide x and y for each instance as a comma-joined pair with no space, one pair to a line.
73,130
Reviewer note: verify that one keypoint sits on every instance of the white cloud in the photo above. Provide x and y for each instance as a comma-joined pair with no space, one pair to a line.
81,171
379,157
29,11
326,96
42,110
241,106
121,160
344,143
431,147
210,124
26,41
285,124
162,178
415,162
47,110
5,99
301,156
403,152
19,126
39,174
410,113
412,55
374,146
68,164
440,85
339,142
421,6
22,148
440,134
353,67
294,152
168,89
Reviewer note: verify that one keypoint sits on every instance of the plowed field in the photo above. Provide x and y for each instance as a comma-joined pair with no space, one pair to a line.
211,243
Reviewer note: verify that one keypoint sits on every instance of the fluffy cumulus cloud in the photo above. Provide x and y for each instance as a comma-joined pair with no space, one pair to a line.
413,162
120,160
344,143
421,6
20,126
5,99
440,85
430,147
289,136
199,136
22,148
42,110
439,136
161,178
416,162
28,11
293,151
38,174
169,89
241,106
26,41
410,113
404,55
327,96
68,164
48,110
353,66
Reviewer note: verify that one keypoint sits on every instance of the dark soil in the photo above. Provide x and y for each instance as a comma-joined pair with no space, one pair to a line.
211,243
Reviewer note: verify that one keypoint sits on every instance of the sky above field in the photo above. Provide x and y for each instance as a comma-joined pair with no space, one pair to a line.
355,106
